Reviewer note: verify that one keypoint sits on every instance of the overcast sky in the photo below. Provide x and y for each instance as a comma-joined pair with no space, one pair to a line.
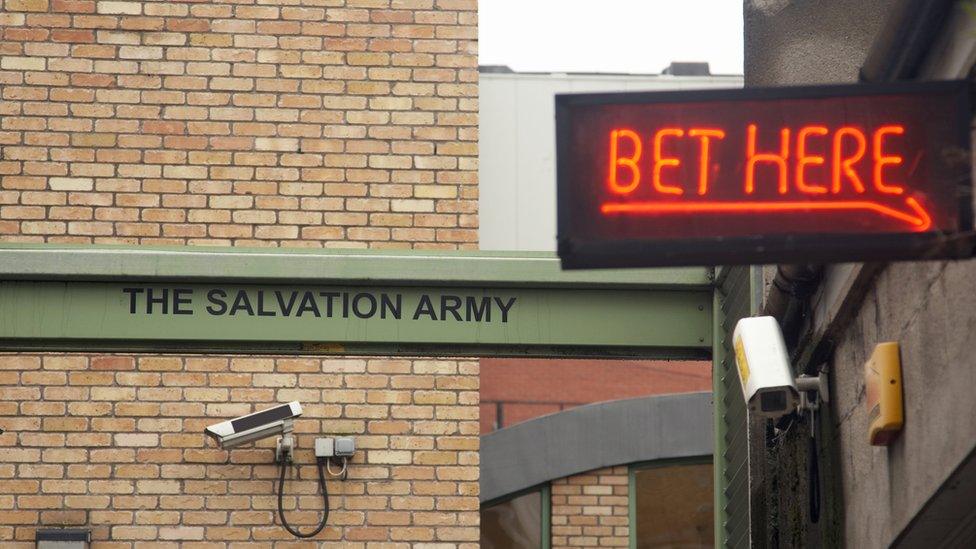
640,36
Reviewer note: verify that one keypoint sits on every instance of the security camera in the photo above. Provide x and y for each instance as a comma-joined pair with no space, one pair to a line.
764,367
280,421
266,423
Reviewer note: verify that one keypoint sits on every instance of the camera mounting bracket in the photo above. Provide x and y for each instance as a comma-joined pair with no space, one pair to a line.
285,447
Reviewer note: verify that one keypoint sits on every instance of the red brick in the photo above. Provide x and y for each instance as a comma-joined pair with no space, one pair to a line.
113,363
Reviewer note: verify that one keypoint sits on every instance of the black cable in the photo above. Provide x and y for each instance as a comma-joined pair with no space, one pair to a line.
325,498
814,481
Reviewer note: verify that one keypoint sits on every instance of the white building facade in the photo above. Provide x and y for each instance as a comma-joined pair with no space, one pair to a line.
517,144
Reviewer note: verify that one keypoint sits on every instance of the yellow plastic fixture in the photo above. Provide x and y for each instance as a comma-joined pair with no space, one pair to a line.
882,380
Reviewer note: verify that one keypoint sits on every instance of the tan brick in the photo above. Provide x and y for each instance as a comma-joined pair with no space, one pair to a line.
43,378
26,5
140,52
235,124
164,39
119,8
14,63
19,362
72,183
19,455
157,364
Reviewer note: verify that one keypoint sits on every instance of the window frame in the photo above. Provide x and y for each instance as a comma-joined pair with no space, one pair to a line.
632,470
545,493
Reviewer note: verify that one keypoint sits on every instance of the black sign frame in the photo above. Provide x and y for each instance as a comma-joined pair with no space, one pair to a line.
577,252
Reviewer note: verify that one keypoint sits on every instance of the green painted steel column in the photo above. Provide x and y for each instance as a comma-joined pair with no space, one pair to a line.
546,516
735,292
632,507
718,397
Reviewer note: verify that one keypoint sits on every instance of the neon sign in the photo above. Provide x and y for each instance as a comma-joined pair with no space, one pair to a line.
842,171
833,173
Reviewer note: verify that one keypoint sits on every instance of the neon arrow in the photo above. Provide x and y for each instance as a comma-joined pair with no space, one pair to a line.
918,218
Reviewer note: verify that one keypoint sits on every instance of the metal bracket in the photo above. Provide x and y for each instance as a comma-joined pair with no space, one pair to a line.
285,447
817,384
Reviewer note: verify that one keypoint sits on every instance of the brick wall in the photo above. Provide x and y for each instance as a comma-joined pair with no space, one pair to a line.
516,389
340,123
116,443
590,510
303,123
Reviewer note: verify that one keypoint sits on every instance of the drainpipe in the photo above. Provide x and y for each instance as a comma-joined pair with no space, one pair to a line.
788,298
905,39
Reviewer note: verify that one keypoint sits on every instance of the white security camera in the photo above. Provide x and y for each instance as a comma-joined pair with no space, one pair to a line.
764,367
280,421
266,423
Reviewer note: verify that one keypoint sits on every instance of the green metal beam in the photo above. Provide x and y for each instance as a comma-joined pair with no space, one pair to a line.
337,302
324,266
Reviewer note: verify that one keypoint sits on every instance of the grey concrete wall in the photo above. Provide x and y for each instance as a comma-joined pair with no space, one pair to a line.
930,309
871,493
808,41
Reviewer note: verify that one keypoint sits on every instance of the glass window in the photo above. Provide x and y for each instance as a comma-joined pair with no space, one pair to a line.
513,524
673,506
